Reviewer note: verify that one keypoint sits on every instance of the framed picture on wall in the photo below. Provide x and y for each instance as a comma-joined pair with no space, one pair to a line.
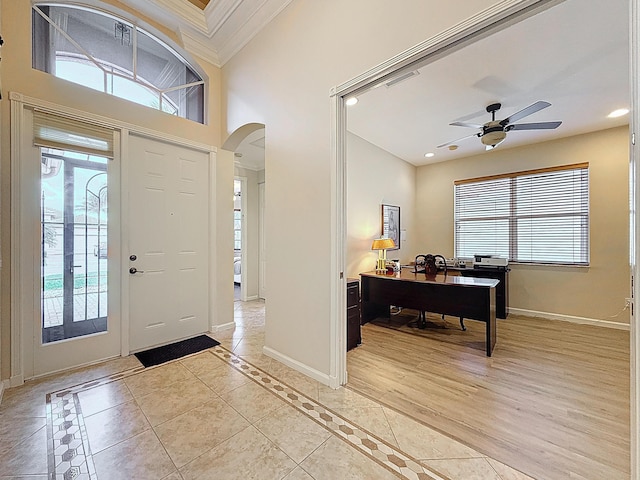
391,224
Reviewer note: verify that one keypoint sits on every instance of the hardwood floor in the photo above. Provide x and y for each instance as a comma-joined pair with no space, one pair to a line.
552,402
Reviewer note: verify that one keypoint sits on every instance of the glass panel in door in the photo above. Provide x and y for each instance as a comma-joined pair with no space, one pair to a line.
73,245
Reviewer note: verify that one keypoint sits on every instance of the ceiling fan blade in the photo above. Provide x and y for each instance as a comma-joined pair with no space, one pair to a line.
456,141
531,109
464,124
534,126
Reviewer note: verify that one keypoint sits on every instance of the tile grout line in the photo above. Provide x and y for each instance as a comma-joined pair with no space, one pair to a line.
68,450
386,455
68,444
71,434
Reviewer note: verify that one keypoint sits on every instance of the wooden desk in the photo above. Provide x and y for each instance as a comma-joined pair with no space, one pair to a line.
465,297
502,290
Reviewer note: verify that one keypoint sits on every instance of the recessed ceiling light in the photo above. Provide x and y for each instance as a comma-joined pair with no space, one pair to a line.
351,101
453,147
430,154
618,113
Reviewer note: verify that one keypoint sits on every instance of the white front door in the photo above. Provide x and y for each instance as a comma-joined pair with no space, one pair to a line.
168,257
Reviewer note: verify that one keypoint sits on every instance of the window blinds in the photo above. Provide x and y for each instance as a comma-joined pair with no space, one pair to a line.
63,133
539,216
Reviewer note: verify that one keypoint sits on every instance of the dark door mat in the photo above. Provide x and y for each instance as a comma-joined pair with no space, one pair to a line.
166,353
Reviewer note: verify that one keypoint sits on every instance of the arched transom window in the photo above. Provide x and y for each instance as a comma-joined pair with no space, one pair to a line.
106,53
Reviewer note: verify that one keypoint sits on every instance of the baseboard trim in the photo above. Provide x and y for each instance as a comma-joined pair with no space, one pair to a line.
219,328
3,385
251,298
15,381
301,367
570,318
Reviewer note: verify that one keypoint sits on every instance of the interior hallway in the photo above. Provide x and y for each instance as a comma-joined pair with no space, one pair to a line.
230,413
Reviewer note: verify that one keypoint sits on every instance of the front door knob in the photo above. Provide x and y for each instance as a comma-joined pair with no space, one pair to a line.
134,270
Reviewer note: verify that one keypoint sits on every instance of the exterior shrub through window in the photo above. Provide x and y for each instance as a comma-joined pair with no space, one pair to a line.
538,216
113,56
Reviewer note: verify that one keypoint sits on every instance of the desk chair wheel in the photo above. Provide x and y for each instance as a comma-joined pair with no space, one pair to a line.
464,329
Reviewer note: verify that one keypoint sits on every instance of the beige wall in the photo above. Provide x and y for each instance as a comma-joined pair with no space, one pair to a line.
375,177
282,78
594,292
18,76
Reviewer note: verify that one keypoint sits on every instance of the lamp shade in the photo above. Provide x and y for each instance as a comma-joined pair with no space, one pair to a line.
383,244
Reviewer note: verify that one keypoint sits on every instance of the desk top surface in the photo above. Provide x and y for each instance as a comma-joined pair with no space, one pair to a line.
408,275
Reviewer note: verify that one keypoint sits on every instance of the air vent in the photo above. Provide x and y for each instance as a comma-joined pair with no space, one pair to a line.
401,78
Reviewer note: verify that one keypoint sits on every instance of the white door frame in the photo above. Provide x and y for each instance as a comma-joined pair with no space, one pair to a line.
498,16
262,284
25,289
635,235
22,292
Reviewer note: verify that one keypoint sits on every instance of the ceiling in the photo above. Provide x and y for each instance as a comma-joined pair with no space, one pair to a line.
214,30
250,152
574,56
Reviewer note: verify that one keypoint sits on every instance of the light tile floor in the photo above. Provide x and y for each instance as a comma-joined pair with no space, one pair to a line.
226,413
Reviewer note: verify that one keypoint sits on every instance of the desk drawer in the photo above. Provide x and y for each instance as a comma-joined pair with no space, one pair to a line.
353,296
353,314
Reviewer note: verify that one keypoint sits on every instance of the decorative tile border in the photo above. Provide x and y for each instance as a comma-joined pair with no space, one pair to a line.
386,455
70,454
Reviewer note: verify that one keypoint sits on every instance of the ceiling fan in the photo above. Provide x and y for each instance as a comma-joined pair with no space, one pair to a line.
492,133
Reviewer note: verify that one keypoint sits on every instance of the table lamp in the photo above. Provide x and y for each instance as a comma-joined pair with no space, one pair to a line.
382,244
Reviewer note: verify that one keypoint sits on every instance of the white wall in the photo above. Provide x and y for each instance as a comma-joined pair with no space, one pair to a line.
375,177
282,79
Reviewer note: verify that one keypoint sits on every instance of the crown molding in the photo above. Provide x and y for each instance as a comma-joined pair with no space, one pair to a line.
252,25
186,12
218,12
199,45
217,33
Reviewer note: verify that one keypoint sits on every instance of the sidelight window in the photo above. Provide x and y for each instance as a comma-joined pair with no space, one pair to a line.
74,159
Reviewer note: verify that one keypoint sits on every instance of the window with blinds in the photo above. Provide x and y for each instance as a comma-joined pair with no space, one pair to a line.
538,216
64,133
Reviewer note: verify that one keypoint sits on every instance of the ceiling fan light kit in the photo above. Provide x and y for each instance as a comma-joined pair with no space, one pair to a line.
493,133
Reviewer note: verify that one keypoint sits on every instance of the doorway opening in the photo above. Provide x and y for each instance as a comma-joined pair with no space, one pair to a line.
248,145
341,134
237,238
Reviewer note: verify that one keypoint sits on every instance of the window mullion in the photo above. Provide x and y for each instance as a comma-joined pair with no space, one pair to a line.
135,53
